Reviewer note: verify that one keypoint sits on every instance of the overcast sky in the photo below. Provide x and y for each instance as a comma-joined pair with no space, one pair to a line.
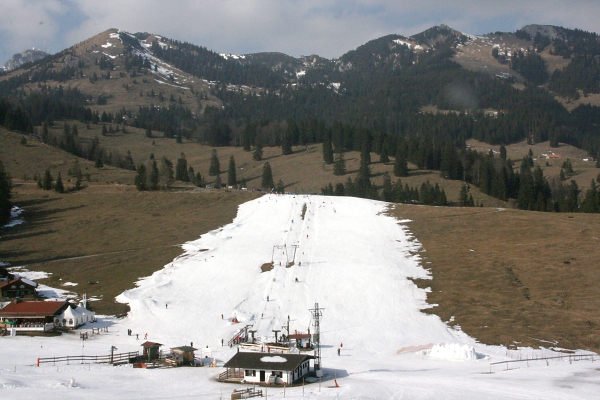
295,27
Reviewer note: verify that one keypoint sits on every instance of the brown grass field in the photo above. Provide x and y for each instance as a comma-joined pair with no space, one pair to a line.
506,276
109,234
512,277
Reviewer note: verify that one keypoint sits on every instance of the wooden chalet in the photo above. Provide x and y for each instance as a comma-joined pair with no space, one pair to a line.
18,288
266,368
32,315
151,350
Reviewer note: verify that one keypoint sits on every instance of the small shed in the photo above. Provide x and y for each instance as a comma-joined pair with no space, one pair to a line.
184,355
253,367
151,350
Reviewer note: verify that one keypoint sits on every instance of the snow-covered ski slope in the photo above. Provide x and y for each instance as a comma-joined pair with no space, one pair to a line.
350,259
344,254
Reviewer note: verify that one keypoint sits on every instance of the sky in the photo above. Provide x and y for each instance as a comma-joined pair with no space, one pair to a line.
328,28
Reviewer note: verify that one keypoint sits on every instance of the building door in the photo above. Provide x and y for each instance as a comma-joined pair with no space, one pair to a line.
262,376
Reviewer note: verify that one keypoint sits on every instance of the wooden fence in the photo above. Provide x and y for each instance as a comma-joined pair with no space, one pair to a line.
117,358
246,393
569,357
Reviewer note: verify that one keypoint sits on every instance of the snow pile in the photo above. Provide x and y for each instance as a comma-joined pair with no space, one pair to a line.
15,212
453,352
273,359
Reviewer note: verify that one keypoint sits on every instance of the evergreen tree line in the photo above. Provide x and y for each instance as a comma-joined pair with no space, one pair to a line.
583,73
427,194
5,195
530,65
160,175
207,64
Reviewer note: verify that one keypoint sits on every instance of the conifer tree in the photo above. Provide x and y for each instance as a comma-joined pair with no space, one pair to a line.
45,133
191,175
47,180
199,180
388,190
327,151
591,202
267,177
383,155
279,187
231,174
258,153
400,165
339,167
181,170
463,199
218,182
248,135
166,171
59,187
215,165
5,195
286,142
140,178
363,187
154,176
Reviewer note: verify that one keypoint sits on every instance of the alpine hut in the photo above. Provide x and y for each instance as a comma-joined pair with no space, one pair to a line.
263,368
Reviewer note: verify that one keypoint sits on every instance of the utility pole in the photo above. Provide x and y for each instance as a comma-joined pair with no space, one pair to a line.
276,331
287,328
317,313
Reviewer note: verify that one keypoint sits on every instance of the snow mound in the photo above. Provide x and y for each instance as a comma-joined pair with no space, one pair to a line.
273,359
15,212
453,352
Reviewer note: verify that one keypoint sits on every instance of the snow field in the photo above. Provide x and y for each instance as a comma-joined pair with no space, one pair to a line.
351,259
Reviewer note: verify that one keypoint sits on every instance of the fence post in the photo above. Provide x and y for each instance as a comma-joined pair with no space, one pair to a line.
38,362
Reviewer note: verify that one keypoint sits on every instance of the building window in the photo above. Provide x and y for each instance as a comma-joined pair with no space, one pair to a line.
250,372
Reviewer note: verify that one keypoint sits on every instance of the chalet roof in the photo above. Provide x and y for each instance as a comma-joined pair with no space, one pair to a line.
150,344
34,308
184,349
267,361
15,280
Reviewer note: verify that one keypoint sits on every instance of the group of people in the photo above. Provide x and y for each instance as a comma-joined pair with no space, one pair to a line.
137,335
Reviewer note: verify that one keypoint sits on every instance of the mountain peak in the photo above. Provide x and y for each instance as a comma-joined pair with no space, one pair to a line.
26,56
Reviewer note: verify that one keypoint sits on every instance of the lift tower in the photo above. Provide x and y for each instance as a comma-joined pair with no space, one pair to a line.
317,313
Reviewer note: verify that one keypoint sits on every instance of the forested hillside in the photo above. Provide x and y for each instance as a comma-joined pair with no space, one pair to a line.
371,99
